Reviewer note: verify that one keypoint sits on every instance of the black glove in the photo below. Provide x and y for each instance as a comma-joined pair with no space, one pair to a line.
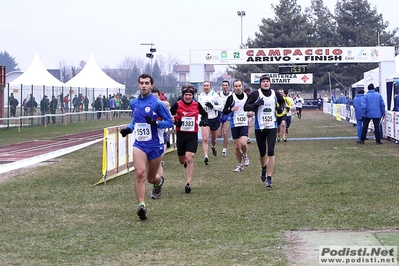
260,102
151,121
178,123
279,110
203,123
125,131
208,104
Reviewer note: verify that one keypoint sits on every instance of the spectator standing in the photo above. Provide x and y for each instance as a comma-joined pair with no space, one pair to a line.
111,104
373,108
357,104
25,106
125,104
341,99
66,103
319,103
118,106
44,106
13,105
32,104
97,106
105,106
86,104
76,103
53,108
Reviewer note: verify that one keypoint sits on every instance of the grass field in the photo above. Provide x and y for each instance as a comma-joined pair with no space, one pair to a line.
52,214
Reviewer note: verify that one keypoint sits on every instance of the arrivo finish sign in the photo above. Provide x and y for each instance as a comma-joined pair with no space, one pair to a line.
294,55
285,55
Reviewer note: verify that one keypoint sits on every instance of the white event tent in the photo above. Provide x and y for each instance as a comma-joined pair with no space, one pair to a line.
373,76
93,81
36,80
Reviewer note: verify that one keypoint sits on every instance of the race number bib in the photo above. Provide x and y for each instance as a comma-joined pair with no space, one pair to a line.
188,123
267,120
143,131
241,120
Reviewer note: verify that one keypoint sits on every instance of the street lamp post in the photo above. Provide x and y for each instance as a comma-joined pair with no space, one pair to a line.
241,14
152,50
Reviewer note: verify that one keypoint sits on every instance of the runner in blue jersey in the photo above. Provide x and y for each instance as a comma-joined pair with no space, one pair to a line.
150,117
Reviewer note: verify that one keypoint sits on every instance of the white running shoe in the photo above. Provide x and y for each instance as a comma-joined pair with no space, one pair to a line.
246,159
238,168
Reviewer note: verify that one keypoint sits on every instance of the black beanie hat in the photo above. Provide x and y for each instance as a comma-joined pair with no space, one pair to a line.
371,86
263,77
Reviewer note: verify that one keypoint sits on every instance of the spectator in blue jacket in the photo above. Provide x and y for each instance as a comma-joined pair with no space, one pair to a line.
341,99
357,104
373,108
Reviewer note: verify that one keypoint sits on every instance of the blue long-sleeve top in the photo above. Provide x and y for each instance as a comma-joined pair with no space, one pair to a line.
146,135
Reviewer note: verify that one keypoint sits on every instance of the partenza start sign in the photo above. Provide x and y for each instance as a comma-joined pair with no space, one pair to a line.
293,55
276,78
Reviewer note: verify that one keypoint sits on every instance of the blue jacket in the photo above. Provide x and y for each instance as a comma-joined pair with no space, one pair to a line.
357,104
373,105
341,99
149,106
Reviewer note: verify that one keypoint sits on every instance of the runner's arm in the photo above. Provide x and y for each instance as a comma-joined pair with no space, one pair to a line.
227,106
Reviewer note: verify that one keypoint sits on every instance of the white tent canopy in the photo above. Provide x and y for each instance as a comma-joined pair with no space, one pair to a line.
37,75
359,84
372,76
36,80
92,76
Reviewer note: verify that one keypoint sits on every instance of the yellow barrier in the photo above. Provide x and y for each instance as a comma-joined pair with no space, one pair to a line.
118,152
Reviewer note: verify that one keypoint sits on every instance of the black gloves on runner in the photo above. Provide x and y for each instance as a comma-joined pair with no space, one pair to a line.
178,123
208,104
125,131
259,102
204,123
151,121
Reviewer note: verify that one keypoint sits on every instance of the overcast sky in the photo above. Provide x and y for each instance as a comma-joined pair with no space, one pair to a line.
70,31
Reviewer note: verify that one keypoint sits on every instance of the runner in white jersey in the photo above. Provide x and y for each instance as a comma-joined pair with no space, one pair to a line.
223,130
299,102
212,104
264,103
238,123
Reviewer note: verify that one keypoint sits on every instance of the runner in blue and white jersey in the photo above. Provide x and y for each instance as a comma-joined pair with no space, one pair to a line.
223,130
150,117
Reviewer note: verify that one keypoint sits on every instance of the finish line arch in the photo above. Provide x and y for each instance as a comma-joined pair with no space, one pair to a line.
384,55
